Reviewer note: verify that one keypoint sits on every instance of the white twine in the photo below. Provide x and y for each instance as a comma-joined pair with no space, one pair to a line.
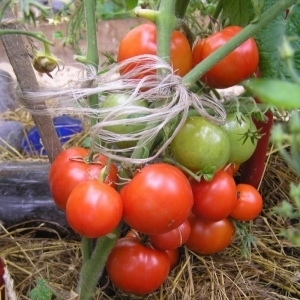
164,91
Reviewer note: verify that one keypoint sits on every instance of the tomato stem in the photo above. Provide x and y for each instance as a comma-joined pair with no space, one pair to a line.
181,7
93,267
148,14
250,30
165,24
39,36
86,249
92,55
183,168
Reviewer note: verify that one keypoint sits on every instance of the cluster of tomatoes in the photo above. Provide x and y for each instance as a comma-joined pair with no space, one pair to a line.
165,207
239,65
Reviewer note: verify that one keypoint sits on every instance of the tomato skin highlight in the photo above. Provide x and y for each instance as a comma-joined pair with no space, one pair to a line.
214,200
249,203
238,65
94,209
172,239
199,145
135,268
209,237
142,40
158,199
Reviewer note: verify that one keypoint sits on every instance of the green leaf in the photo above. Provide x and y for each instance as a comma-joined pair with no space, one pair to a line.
292,31
282,94
257,6
238,12
131,4
270,38
41,291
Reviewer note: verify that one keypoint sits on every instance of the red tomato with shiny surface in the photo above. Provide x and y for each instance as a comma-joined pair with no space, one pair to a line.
158,199
172,239
136,268
142,40
238,65
69,174
174,256
64,157
209,237
94,209
214,200
249,203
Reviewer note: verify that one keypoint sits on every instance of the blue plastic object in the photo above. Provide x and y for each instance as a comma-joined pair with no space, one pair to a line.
65,126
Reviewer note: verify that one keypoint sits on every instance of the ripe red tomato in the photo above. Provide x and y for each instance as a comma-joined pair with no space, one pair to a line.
174,256
66,176
200,145
232,168
65,156
238,65
249,203
214,200
209,237
142,40
158,199
94,209
136,268
172,239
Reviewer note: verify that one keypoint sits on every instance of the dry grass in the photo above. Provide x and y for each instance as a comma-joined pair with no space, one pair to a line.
271,270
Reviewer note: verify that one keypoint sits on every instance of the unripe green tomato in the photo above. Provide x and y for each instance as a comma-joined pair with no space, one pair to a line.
236,128
200,145
114,100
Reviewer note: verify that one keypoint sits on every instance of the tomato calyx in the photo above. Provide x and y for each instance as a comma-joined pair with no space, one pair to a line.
252,135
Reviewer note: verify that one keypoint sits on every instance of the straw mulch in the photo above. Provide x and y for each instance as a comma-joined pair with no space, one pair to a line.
269,270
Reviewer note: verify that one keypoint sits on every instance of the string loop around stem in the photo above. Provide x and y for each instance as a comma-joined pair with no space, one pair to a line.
144,78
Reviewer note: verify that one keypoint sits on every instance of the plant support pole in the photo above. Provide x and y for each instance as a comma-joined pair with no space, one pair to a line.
17,54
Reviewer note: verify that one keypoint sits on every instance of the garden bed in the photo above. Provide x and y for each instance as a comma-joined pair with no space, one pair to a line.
266,269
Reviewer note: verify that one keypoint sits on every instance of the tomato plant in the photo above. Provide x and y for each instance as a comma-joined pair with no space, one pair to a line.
215,199
249,203
143,37
114,100
136,268
238,65
68,171
209,237
172,239
94,209
200,145
242,134
158,199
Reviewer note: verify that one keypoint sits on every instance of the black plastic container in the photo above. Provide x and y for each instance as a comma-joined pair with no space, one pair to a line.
25,196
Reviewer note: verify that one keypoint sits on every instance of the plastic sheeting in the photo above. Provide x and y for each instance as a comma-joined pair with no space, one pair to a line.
25,195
